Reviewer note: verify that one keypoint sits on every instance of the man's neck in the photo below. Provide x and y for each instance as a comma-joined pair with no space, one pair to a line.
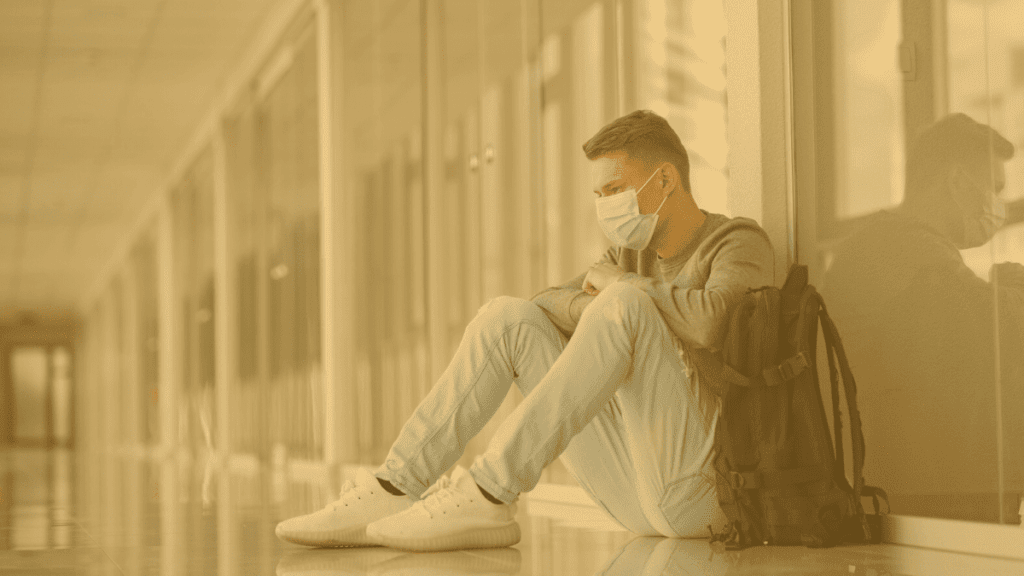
931,217
681,232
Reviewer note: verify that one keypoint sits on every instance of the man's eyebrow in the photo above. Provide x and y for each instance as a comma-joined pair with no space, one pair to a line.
610,184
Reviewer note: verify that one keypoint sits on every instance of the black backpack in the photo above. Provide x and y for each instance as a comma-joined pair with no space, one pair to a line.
781,479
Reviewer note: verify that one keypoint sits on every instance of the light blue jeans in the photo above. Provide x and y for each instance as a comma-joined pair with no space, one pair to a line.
614,402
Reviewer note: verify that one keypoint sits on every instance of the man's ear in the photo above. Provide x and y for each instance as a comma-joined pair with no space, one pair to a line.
669,177
961,184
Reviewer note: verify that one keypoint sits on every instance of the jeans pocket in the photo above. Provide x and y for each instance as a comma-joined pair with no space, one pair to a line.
690,505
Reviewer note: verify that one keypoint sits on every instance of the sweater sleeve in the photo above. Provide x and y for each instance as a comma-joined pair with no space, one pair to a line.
699,317
564,303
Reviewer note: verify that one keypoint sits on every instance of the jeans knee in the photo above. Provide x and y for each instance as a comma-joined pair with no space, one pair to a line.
509,309
623,291
619,300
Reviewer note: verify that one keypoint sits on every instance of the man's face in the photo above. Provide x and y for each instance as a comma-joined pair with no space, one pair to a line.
617,172
976,186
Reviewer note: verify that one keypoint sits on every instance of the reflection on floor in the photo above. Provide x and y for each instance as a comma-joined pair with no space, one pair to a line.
62,513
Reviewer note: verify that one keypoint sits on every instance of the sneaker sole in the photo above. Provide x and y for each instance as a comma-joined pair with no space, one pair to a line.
500,537
352,538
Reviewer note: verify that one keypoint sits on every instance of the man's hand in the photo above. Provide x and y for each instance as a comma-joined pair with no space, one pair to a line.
1003,273
600,277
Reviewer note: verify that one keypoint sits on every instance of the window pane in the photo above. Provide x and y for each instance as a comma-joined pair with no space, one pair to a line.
143,264
868,106
288,153
384,185
681,75
192,218
60,362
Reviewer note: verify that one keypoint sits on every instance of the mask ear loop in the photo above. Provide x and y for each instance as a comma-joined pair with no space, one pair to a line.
642,186
663,200
645,184
662,204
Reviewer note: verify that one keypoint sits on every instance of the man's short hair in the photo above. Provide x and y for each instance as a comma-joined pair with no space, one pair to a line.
643,135
954,140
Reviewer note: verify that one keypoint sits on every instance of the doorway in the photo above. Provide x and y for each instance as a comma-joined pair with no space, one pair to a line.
39,395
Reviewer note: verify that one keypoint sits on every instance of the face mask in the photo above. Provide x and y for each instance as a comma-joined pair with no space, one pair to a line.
980,227
620,218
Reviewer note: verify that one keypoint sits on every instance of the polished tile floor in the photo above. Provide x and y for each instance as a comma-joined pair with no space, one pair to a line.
68,513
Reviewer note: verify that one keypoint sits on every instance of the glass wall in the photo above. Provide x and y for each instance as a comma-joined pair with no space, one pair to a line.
910,125
985,80
192,230
383,171
273,224
143,265
287,161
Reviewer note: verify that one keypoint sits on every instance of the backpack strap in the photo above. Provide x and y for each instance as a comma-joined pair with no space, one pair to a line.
877,493
774,479
837,417
773,375
834,345
732,376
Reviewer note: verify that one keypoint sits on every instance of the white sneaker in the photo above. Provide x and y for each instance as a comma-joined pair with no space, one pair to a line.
343,522
453,515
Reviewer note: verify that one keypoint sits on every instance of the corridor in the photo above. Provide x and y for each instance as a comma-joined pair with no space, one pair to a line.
241,241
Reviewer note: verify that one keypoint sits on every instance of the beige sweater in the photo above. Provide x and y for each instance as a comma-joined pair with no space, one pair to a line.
694,290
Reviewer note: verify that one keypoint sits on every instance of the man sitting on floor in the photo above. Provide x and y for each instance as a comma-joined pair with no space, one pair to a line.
617,402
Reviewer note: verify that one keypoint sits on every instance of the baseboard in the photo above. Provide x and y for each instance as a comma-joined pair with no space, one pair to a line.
981,538
999,541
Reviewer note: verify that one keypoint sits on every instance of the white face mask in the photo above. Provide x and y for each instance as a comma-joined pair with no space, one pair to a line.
620,218
980,222
979,228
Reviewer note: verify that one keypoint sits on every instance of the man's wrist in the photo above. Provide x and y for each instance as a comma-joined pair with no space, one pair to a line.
578,304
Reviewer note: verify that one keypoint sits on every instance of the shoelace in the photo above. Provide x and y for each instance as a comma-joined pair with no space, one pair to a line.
346,490
438,494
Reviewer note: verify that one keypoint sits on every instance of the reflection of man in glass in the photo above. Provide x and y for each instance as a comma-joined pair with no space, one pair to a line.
919,327
615,402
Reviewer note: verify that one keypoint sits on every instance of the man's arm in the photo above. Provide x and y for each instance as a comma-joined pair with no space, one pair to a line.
699,317
565,303
974,303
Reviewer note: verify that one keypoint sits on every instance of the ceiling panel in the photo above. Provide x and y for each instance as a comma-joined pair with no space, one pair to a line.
77,25
91,240
124,85
58,200
21,23
10,199
43,248
18,89
8,238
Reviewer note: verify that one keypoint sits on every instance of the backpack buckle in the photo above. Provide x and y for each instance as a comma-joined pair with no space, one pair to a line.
736,480
790,368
